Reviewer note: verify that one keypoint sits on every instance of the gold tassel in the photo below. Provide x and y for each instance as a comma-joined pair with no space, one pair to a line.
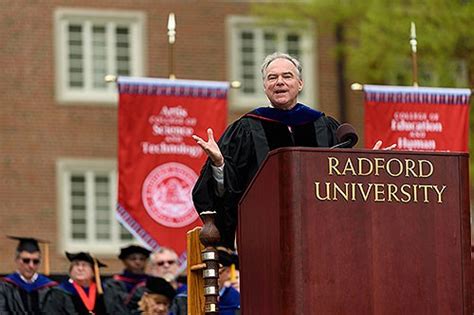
98,282
46,259
233,276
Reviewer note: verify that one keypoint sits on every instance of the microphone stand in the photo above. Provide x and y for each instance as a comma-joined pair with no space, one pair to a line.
343,145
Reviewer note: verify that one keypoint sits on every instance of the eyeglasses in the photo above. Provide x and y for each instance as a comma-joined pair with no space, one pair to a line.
28,260
169,262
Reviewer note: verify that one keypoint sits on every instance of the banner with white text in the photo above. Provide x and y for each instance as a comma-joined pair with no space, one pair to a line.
417,118
158,160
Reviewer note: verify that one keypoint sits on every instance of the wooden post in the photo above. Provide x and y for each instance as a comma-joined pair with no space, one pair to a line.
210,237
194,272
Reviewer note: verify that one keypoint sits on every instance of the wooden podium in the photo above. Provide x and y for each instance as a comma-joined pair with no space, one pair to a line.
356,232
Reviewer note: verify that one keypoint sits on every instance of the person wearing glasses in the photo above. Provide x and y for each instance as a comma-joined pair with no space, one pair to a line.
24,291
163,263
134,259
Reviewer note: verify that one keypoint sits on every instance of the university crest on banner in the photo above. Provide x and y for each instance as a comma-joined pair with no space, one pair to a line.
417,118
159,162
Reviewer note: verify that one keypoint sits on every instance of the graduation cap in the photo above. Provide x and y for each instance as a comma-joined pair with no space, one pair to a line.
96,264
133,249
227,258
31,245
83,256
28,244
157,285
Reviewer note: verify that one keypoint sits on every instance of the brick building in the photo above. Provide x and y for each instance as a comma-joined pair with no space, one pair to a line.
58,118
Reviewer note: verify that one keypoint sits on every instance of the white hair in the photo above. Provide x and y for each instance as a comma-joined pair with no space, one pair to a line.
279,55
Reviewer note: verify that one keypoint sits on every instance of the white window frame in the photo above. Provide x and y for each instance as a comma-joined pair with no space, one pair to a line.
241,101
66,167
62,16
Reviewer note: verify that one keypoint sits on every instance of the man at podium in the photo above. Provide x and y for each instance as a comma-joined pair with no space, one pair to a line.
235,159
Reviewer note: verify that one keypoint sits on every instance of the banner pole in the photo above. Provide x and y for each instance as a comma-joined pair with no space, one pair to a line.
413,44
171,41
111,78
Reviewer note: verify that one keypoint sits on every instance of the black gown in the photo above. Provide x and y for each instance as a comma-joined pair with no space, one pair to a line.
19,297
65,300
244,145
125,284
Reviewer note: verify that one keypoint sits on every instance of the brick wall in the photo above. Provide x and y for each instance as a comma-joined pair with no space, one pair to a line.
35,130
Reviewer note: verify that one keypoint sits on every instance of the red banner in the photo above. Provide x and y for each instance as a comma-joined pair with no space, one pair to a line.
415,118
159,162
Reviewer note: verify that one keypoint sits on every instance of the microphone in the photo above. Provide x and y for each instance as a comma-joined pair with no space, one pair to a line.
346,136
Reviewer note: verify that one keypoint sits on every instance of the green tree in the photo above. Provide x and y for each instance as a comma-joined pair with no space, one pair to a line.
373,38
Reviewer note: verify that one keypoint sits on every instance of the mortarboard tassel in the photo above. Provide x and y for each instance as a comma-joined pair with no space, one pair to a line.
98,282
46,259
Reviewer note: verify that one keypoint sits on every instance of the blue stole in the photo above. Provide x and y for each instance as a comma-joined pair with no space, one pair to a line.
300,114
68,287
41,282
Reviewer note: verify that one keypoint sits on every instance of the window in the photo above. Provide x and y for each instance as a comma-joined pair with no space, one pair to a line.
250,43
87,191
91,44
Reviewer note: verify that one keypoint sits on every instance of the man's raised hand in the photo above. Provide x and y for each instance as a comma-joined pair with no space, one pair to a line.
378,145
211,148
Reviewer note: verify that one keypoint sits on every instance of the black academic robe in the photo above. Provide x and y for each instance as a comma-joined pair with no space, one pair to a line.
125,284
244,145
17,297
65,300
